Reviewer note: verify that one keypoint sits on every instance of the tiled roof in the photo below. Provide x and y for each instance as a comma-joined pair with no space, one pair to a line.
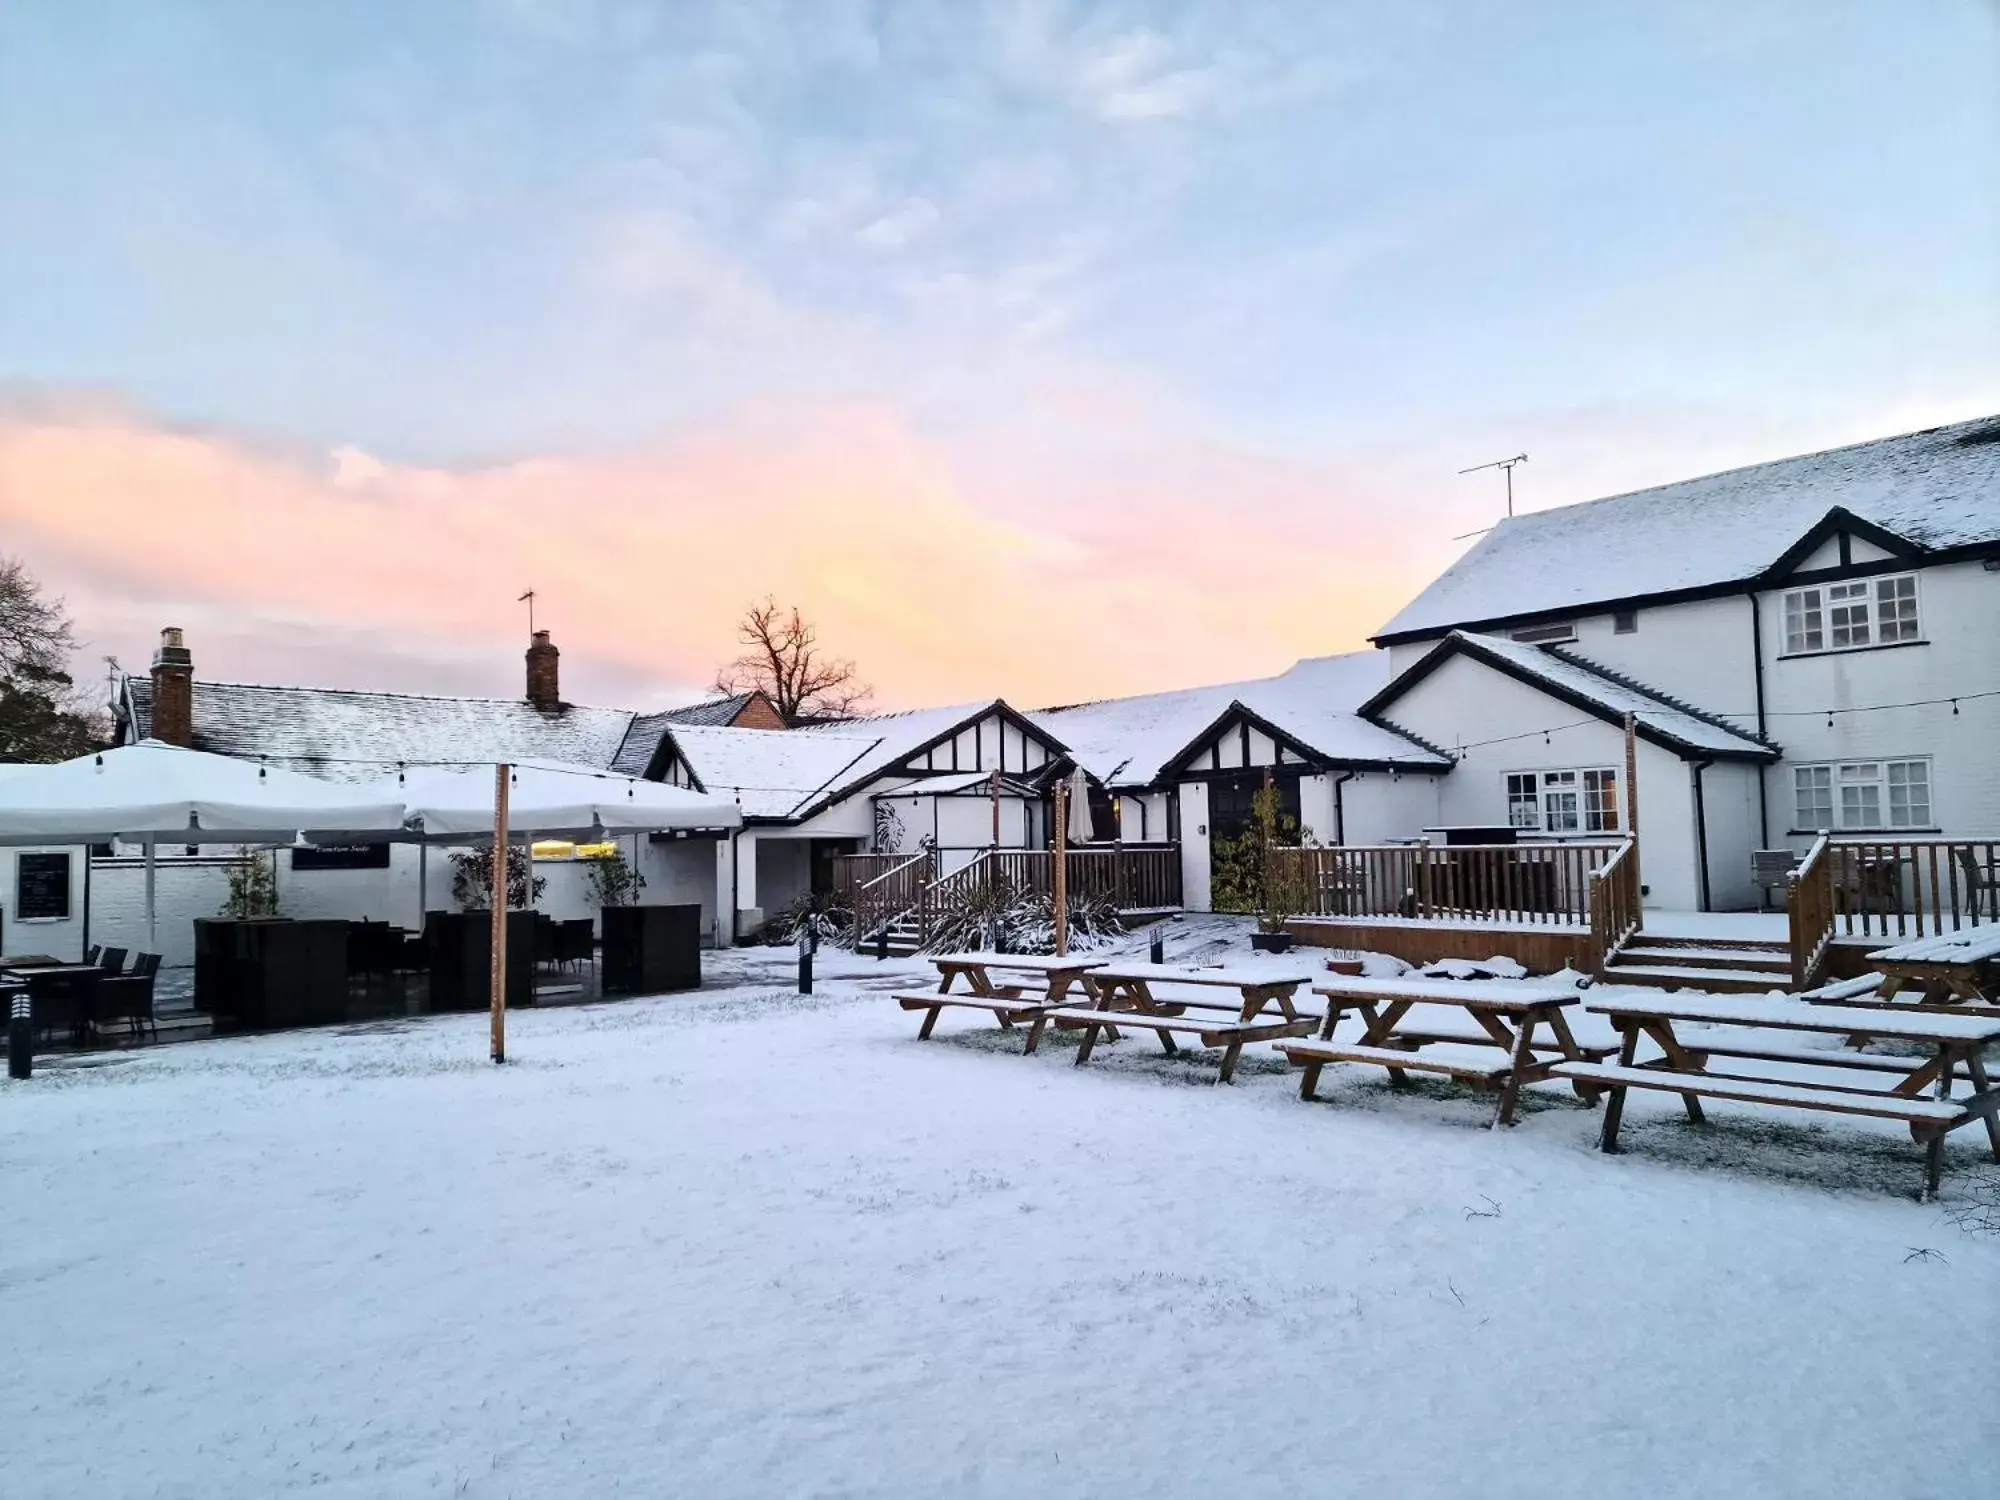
352,735
1934,489
710,711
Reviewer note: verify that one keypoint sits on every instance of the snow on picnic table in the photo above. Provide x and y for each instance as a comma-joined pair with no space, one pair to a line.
748,1244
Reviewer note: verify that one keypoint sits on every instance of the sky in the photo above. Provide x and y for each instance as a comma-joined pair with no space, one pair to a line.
1039,350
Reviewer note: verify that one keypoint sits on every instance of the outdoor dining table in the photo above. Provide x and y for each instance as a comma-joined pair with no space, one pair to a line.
1944,969
1008,1001
1506,1015
1947,1044
59,993
1124,996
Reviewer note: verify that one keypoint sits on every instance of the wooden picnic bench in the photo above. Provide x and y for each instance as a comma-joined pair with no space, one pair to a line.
1124,996
1953,1042
1008,1002
1944,969
1506,1015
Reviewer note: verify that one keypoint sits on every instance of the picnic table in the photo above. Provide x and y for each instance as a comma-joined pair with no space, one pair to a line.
1950,1044
1505,1014
1124,995
1008,1001
1944,969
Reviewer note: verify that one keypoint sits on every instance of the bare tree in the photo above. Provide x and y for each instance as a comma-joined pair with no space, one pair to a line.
35,634
782,660
41,715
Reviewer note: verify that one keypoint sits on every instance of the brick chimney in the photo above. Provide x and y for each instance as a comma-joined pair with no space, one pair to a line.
173,690
543,691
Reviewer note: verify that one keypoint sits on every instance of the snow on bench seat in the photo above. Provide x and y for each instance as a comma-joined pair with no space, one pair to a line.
1844,989
1454,1062
1230,1036
1809,1057
1791,1095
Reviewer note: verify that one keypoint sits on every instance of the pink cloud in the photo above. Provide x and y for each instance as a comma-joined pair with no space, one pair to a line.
351,569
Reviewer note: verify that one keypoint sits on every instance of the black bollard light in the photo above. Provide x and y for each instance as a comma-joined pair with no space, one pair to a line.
808,941
21,1037
1157,952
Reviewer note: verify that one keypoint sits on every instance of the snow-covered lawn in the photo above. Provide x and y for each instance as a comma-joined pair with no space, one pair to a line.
747,1244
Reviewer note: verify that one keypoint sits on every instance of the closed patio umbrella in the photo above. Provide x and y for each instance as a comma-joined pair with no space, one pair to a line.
1082,830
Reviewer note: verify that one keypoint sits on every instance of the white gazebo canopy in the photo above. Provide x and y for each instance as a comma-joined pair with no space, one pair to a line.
151,791
547,799
154,792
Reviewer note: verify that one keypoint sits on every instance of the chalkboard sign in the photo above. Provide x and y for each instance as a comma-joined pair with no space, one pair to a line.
41,886
341,857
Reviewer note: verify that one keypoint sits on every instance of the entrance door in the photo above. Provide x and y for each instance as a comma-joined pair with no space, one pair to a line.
823,852
1229,802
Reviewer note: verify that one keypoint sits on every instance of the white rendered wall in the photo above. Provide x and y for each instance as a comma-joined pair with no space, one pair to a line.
1703,653
1959,609
1465,703
1380,807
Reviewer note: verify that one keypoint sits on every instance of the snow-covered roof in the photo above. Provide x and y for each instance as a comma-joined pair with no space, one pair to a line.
772,773
642,740
350,736
1936,489
1595,690
1135,741
899,735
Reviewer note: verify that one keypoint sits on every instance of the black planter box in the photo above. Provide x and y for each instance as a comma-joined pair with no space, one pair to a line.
1271,942
270,973
459,946
649,950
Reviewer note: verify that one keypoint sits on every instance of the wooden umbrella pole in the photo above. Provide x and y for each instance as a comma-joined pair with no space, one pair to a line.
498,978
1059,877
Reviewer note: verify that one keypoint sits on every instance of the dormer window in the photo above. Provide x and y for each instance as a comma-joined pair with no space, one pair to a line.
1852,616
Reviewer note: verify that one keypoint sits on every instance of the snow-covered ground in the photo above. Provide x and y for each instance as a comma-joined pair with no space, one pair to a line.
748,1244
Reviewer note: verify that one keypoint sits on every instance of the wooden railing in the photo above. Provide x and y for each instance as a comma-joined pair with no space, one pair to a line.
1616,911
1911,888
1134,877
1539,885
1809,908
878,888
882,887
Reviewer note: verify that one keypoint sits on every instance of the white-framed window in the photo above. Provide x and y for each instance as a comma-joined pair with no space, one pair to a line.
1569,800
1863,795
1849,616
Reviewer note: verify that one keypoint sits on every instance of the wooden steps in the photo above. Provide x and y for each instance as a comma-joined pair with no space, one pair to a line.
1729,966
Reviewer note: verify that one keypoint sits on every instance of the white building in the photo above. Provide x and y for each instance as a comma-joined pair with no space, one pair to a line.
1810,645
891,783
1803,645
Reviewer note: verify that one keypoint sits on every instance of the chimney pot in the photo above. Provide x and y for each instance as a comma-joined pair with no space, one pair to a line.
544,689
173,690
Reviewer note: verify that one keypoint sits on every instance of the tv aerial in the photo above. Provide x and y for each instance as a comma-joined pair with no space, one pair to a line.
1506,466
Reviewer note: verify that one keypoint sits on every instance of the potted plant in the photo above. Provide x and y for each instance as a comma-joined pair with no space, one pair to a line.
1284,884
